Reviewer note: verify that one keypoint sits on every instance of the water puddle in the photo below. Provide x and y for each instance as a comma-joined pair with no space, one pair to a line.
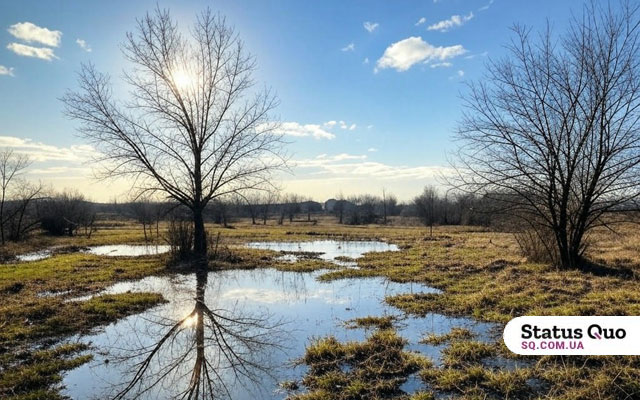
256,320
117,250
34,256
49,293
338,252
128,250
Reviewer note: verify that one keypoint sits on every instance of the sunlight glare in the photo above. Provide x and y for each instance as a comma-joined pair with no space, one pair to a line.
182,78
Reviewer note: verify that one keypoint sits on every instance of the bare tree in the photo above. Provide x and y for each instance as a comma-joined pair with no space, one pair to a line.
389,205
12,165
551,135
144,211
253,205
362,209
204,355
425,207
20,215
339,207
384,206
291,204
193,129
267,200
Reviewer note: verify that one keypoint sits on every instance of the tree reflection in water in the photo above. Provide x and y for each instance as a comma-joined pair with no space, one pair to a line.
203,355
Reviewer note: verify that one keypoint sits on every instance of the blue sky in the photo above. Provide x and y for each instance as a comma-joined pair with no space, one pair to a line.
369,90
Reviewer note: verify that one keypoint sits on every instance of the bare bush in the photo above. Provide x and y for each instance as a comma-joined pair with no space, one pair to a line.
180,238
537,245
67,213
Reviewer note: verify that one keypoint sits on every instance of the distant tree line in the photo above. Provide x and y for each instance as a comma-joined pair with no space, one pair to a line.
25,207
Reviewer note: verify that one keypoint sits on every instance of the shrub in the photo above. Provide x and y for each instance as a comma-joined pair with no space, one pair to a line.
180,238
66,213
538,245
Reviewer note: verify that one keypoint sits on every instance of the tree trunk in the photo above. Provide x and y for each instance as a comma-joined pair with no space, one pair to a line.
199,234
200,363
2,216
569,256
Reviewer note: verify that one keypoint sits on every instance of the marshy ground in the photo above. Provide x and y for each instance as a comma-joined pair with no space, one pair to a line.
479,274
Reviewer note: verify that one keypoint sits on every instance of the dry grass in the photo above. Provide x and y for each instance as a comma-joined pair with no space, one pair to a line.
372,369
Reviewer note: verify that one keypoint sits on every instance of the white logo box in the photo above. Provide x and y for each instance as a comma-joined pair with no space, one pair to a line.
573,335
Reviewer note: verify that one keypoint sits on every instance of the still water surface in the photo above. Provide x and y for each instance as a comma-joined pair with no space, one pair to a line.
245,326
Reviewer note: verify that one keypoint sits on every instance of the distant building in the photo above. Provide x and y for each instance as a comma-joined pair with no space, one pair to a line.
329,205
333,205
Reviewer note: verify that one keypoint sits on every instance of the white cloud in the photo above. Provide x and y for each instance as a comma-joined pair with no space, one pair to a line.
366,60
6,71
349,165
421,21
371,26
341,124
67,172
454,21
269,296
459,74
84,45
349,47
441,65
33,33
404,54
372,149
345,125
472,56
43,53
40,152
486,7
324,160
300,130
66,167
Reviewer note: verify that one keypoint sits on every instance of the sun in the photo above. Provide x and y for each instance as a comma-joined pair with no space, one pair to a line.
182,78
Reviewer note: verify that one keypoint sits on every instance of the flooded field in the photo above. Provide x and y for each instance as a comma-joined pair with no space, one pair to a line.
128,250
240,331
